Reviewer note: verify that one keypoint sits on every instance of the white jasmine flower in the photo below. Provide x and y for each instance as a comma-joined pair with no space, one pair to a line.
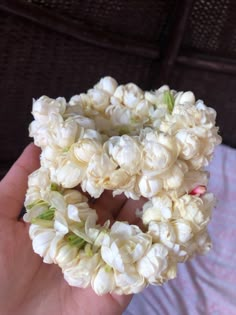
157,155
157,209
126,244
107,84
118,114
49,156
185,97
183,231
206,115
100,99
68,174
65,255
81,101
205,154
189,143
40,133
163,232
126,152
90,186
129,94
156,97
173,178
45,106
120,179
132,95
65,133
84,150
153,264
102,173
84,122
129,281
92,135
74,197
38,183
157,115
56,132
142,110
100,166
103,280
195,209
81,272
74,108
149,186
41,240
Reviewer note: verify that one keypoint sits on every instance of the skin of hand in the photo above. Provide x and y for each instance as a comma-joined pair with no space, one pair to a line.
27,285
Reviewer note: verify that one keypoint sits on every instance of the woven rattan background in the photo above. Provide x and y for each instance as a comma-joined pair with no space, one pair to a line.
211,28
133,18
57,47
209,42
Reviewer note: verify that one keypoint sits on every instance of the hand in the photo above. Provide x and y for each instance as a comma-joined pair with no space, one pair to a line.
30,287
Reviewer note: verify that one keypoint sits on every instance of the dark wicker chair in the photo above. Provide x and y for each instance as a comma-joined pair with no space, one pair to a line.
62,47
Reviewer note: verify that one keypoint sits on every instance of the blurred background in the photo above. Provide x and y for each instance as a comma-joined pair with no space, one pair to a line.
63,47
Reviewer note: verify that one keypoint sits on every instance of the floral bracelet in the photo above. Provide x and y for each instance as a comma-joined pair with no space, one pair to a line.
152,144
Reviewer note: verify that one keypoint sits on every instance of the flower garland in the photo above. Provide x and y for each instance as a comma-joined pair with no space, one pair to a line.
152,144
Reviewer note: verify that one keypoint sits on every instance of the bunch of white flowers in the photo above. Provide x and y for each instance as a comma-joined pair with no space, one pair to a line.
144,144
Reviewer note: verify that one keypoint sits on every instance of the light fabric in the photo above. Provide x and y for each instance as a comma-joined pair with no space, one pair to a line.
207,284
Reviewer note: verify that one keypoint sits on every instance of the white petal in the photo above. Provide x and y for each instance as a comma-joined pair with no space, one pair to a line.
73,213
69,175
81,273
112,257
65,255
60,223
41,242
103,281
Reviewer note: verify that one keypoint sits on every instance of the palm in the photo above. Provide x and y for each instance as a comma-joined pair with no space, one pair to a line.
32,287
28,286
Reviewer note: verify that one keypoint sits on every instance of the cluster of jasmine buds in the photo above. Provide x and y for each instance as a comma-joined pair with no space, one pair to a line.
152,144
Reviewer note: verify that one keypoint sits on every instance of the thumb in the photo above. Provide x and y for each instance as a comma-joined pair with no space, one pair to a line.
14,185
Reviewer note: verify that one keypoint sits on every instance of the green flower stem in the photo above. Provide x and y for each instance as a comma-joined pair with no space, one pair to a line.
88,250
42,223
75,240
45,219
47,215
37,203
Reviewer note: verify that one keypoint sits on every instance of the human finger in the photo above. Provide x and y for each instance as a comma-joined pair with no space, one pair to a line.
14,185
130,211
108,206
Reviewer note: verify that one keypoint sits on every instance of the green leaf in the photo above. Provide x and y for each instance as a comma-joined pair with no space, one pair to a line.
168,99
